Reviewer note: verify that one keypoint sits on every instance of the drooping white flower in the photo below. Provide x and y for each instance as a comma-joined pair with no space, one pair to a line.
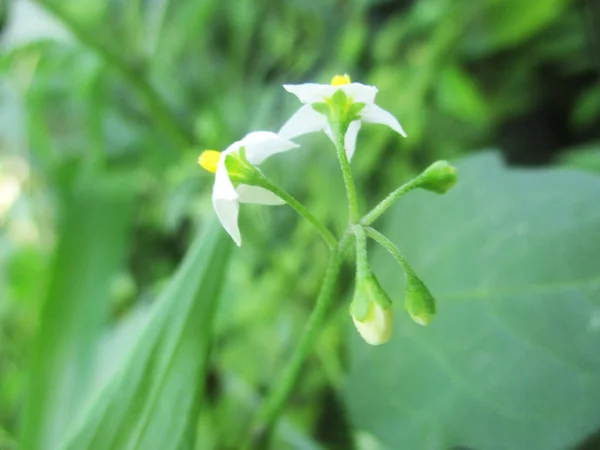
307,120
257,147
376,327
371,311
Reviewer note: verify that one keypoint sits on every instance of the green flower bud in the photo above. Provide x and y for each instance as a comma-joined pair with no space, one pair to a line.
439,177
371,311
420,304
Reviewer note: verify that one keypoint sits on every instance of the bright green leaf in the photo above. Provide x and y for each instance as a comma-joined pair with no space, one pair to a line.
512,360
153,401
75,310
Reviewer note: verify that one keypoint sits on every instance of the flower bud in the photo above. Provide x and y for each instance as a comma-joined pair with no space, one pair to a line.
371,311
439,177
420,304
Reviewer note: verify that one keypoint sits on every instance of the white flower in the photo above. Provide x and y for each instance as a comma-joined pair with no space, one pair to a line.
307,120
376,327
258,146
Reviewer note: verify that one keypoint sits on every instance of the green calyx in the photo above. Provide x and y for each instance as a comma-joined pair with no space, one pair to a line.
420,304
368,290
439,177
240,171
339,109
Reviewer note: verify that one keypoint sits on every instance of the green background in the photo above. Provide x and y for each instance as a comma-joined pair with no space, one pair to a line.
128,320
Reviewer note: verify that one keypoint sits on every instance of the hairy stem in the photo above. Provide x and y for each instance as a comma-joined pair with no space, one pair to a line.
159,110
391,248
300,209
362,261
338,133
374,214
267,417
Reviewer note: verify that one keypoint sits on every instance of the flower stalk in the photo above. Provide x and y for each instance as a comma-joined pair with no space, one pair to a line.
339,132
262,427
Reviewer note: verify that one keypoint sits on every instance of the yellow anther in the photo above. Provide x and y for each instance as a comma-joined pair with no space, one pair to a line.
340,80
209,159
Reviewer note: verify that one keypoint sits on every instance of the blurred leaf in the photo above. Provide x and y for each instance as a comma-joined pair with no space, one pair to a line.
28,24
586,157
458,95
505,23
153,401
513,358
91,246
587,107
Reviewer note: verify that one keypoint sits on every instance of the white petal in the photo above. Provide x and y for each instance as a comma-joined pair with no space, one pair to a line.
359,92
311,92
329,132
227,211
255,194
225,202
350,138
305,120
260,145
375,114
223,187
376,329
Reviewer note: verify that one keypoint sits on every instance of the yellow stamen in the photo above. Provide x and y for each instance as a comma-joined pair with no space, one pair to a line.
340,80
209,159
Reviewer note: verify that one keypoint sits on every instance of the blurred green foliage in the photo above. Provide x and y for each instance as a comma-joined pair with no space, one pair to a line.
105,106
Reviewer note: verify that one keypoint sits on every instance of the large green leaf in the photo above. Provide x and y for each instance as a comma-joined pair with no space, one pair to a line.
512,360
153,401
90,247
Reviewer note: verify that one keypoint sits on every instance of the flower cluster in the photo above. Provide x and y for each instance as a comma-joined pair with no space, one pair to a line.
259,145
338,109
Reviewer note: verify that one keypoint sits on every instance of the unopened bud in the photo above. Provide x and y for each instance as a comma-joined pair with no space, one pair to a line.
439,177
420,304
371,311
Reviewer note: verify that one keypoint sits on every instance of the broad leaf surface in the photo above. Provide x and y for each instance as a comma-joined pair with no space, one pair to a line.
512,361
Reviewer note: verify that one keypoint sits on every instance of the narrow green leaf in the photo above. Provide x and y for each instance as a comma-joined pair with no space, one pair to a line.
512,360
90,247
154,399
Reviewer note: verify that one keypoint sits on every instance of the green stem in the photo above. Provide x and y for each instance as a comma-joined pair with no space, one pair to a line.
263,426
338,133
158,108
391,248
374,214
362,260
300,209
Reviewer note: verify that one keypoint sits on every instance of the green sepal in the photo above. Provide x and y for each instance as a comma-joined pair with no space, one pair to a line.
359,307
354,110
240,171
439,177
339,100
420,304
368,290
322,108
